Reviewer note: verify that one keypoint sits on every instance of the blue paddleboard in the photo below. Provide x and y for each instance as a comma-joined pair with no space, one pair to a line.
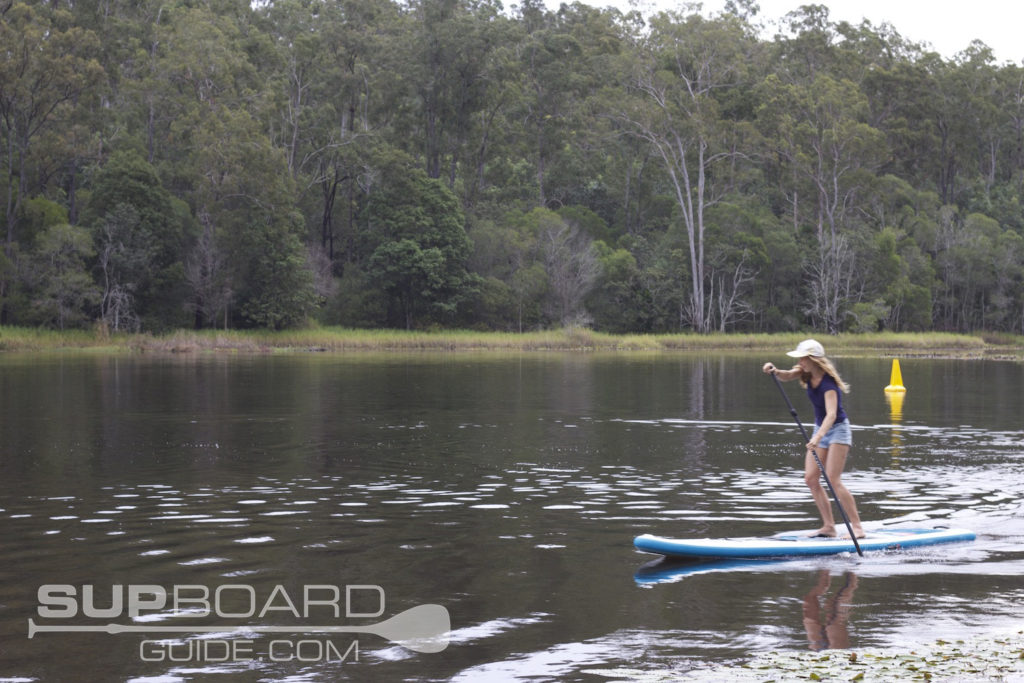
796,543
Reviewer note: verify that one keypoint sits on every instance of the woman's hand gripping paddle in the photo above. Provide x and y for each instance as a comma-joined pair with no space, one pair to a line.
828,482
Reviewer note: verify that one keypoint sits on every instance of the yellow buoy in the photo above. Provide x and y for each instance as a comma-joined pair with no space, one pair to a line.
895,401
896,378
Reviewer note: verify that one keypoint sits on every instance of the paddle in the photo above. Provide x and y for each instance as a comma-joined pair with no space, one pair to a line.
424,628
828,482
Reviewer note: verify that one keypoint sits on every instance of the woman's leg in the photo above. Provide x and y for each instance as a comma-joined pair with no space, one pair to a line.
812,477
835,462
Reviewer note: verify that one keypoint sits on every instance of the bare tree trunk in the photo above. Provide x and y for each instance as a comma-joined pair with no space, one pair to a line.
572,267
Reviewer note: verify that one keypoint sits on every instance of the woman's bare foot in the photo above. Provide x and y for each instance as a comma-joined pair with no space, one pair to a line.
823,532
857,531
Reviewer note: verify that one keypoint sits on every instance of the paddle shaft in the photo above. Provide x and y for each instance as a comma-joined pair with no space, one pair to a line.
821,467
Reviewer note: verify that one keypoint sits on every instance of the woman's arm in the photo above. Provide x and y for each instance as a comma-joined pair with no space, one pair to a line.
784,375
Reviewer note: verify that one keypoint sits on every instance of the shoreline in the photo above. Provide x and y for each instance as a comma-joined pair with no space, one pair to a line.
990,346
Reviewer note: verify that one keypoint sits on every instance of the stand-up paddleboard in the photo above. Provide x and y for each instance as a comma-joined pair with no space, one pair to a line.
796,543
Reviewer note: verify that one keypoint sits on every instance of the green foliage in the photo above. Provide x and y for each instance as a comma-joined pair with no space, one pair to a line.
280,283
62,290
505,254
618,301
48,69
38,214
453,163
595,227
358,303
141,237
416,244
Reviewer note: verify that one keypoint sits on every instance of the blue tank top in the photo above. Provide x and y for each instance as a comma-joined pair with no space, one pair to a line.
817,396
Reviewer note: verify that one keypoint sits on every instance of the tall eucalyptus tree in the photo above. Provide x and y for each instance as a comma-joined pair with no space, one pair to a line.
686,67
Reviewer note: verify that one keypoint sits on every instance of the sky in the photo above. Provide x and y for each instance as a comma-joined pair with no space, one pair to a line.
948,26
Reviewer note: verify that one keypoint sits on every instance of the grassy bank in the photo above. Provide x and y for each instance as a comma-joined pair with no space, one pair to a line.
935,344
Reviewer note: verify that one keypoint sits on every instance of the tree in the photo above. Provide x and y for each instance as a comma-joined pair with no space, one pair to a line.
415,241
979,268
142,234
124,259
451,45
197,68
617,302
47,65
504,253
685,68
736,255
901,297
829,155
64,292
335,84
246,201
572,266
409,274
280,290
207,274
550,58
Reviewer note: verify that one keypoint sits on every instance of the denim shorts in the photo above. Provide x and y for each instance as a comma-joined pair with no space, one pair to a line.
840,433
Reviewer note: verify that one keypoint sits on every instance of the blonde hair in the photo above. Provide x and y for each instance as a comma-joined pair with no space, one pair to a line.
830,369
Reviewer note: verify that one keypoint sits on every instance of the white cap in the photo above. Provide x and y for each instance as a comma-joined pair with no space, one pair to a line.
808,347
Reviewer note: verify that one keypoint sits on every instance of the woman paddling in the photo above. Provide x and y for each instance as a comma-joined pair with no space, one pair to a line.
832,437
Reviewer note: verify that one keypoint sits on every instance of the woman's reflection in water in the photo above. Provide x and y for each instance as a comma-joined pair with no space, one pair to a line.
825,615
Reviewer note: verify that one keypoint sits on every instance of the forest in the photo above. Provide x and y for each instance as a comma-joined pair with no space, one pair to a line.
429,164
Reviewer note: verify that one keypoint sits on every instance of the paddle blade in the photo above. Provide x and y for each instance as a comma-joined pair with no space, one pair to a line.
424,628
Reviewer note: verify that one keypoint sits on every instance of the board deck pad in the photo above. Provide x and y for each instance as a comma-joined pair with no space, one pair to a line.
798,543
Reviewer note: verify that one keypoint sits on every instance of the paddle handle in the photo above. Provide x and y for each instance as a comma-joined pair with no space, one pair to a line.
821,468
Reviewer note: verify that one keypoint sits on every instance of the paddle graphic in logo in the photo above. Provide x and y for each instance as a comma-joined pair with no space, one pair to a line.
424,628
421,629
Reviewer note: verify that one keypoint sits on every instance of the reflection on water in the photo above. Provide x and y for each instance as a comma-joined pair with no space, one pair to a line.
895,401
507,490
826,614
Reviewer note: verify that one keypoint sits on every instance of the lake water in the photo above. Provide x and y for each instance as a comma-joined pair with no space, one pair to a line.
505,488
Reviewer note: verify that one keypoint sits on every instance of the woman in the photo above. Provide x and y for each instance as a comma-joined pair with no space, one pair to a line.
832,437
